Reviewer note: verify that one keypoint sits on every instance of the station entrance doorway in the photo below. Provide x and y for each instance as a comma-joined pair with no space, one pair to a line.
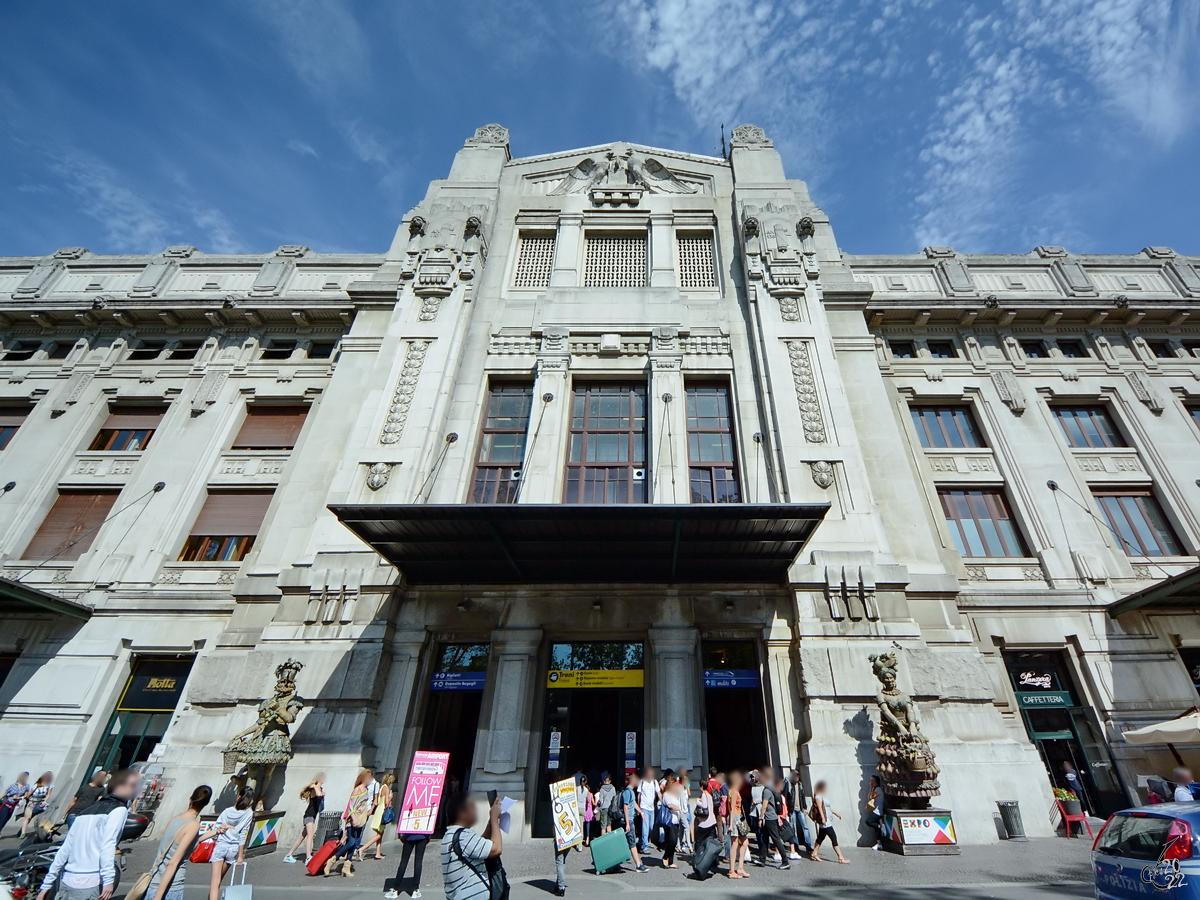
452,713
735,716
593,718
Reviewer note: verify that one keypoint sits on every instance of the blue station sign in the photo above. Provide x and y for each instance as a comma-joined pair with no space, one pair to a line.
730,678
458,681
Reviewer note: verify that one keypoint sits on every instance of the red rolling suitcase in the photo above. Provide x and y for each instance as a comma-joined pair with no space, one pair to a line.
318,860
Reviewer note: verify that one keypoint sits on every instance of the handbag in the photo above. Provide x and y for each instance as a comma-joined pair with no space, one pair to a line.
496,880
204,851
139,887
389,816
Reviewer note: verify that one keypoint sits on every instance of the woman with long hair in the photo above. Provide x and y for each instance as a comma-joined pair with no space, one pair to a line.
737,827
674,800
358,810
37,799
314,795
375,824
177,843
232,825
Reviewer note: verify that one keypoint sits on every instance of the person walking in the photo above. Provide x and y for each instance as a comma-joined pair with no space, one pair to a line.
797,801
354,818
230,850
704,820
587,808
629,810
1074,782
647,802
85,864
372,798
13,794
314,795
770,815
873,811
685,827
414,848
821,811
673,800
604,802
737,827
86,796
37,799
465,853
178,841
376,825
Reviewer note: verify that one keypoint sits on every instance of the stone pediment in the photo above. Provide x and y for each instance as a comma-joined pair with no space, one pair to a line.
617,175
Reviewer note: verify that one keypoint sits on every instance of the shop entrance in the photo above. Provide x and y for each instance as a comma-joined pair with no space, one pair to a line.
1064,730
452,714
593,718
734,714
143,713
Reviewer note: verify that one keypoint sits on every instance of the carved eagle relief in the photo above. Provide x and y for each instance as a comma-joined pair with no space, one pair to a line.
622,170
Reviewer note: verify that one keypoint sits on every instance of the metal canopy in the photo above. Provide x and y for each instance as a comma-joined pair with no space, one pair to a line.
1180,592
561,543
21,598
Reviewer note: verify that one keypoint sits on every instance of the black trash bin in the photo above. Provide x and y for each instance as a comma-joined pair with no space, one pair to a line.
1010,814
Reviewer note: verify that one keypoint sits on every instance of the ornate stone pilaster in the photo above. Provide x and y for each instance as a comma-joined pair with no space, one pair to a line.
673,734
394,730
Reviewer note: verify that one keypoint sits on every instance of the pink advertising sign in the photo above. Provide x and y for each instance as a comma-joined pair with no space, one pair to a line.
418,814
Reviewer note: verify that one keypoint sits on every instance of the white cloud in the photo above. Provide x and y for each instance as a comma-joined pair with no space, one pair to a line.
222,237
300,147
130,222
321,41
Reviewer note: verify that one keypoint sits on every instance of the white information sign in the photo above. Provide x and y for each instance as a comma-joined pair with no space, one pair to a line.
568,830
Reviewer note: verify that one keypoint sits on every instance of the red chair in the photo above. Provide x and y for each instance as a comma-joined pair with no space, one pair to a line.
1067,820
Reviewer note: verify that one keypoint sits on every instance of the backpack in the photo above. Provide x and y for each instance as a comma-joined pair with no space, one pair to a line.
616,809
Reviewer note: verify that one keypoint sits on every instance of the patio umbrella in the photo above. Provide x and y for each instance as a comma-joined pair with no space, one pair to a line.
1183,729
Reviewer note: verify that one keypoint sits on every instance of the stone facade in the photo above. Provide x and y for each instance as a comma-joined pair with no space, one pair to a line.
656,268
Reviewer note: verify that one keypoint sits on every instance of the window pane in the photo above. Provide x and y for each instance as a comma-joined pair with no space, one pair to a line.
1138,521
981,523
1088,426
902,349
502,443
710,440
946,426
606,444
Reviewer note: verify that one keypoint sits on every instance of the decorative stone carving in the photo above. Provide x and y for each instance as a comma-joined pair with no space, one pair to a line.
179,251
414,358
170,576
749,135
35,283
822,473
227,576
1185,276
442,250
1141,389
378,475
906,762
806,392
976,573
780,251
489,135
956,277
621,179
1142,572
70,393
1009,390
1074,277
208,391
267,742
1033,573
70,252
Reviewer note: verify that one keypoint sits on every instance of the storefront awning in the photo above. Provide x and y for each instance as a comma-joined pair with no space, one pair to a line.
21,598
561,543
1180,593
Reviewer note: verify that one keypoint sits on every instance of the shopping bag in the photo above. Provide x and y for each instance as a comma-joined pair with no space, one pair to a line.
241,891
609,851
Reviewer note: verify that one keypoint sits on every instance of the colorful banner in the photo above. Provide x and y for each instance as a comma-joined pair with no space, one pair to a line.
568,831
458,681
730,678
265,831
595,678
418,813
914,828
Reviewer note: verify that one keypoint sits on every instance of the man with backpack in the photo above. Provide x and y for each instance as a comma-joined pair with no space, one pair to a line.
607,802
628,817
770,817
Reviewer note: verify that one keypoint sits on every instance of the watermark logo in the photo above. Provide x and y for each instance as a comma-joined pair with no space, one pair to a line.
1165,874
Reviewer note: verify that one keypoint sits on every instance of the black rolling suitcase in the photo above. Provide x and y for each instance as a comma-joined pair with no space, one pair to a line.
704,860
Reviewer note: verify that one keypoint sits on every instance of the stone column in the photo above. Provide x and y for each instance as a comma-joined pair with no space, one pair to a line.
781,693
545,442
667,447
662,255
507,718
567,248
393,731
673,698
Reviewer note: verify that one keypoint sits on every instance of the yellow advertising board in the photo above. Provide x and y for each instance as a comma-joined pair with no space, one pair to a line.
595,678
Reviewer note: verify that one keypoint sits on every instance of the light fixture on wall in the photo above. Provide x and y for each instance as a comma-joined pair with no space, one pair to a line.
12,484
596,605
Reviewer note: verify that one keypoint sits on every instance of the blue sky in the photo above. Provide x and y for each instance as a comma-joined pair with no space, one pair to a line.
239,126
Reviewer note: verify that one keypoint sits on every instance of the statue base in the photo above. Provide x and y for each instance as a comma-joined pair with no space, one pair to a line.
263,836
919,832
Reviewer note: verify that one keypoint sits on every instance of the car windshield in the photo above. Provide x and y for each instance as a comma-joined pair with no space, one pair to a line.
1135,837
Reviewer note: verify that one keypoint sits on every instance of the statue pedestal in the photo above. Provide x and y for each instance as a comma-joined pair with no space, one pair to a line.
263,836
919,832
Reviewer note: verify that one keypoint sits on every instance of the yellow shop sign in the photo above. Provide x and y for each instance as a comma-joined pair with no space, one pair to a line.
595,678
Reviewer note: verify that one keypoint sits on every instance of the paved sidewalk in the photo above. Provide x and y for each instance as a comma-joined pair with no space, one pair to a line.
1033,870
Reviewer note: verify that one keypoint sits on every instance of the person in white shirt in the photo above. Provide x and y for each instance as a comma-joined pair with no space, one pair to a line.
232,826
1183,780
647,793
85,864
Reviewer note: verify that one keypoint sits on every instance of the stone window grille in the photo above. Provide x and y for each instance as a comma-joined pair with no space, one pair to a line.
535,260
615,260
697,265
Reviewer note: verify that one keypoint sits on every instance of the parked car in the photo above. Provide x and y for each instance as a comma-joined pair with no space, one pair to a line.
1150,851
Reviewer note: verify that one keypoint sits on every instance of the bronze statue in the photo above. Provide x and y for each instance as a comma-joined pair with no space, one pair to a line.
267,742
906,765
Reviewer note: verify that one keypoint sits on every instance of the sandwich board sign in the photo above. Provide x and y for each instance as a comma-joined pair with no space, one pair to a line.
564,802
423,795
